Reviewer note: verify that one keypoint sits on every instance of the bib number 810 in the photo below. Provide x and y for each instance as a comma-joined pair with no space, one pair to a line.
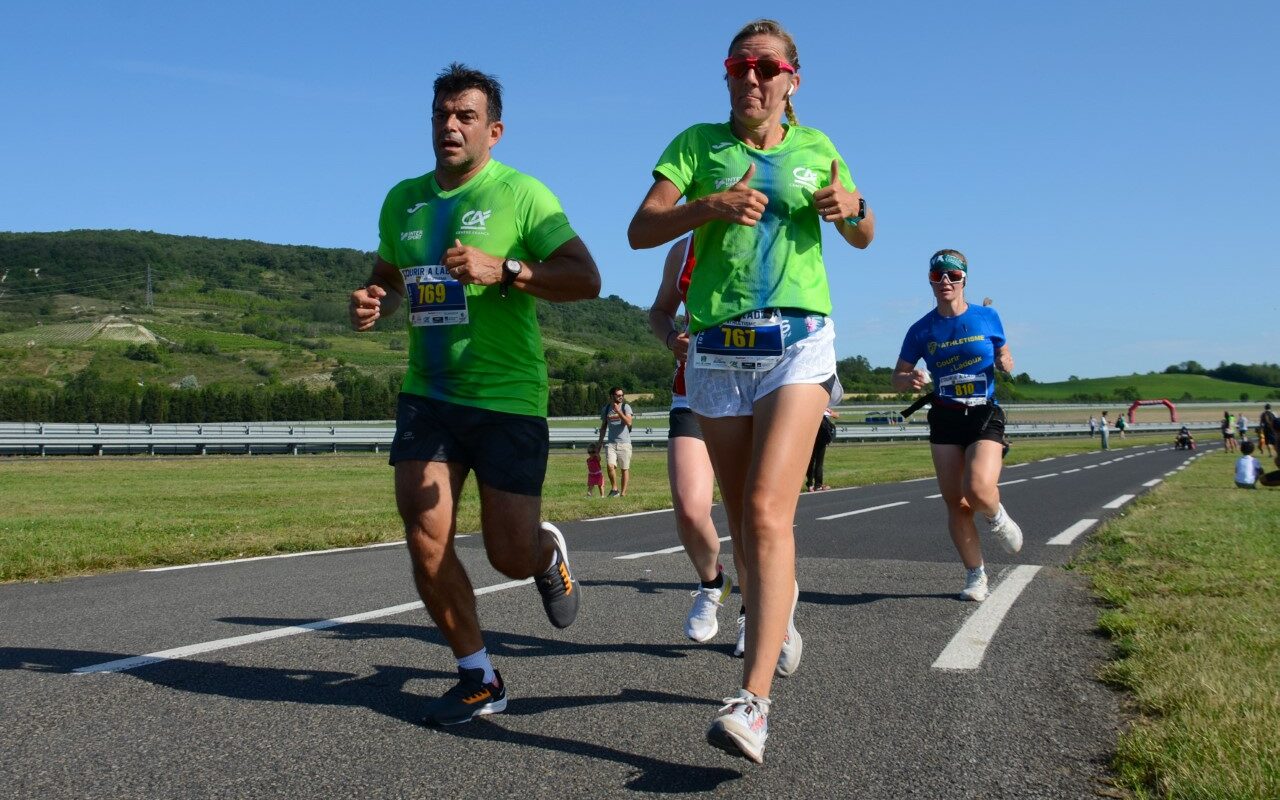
964,389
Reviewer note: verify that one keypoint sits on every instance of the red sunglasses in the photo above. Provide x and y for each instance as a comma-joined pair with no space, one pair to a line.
768,68
953,275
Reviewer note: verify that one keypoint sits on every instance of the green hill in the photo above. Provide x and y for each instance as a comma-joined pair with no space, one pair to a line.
236,315
1151,386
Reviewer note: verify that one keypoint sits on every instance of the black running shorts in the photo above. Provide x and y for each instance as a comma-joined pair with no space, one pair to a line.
506,451
964,425
683,422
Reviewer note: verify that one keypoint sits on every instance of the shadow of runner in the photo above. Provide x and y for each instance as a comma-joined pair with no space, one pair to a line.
383,691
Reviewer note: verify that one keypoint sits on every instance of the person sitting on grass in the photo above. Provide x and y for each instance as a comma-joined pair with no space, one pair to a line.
1248,468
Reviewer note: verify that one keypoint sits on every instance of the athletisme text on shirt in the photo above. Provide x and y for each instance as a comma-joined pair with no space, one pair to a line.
958,342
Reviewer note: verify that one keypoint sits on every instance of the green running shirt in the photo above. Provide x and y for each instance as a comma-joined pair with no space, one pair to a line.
778,262
494,360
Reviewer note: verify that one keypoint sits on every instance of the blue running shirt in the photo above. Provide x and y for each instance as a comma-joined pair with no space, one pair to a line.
959,352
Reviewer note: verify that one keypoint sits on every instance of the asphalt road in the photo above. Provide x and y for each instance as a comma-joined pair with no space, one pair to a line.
904,691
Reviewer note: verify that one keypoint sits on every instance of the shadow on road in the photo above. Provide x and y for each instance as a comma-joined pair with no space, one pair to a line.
383,691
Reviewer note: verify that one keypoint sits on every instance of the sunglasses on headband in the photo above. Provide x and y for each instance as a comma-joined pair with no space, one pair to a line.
952,275
737,66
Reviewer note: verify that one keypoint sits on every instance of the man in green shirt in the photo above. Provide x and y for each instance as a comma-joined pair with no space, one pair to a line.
470,245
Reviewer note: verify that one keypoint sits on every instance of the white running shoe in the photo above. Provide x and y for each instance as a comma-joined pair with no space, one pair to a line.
793,644
742,726
702,624
975,585
741,647
1006,531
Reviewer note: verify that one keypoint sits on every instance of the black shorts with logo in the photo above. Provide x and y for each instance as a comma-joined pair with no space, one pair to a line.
506,451
964,425
683,422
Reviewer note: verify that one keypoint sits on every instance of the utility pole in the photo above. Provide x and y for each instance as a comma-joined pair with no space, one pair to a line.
150,296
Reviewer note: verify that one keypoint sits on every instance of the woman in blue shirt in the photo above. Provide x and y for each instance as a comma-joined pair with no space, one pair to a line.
962,346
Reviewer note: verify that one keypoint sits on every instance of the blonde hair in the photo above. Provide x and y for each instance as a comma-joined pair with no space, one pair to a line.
771,27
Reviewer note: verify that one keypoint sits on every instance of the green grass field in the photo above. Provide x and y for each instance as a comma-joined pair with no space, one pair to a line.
74,516
1191,573
1152,386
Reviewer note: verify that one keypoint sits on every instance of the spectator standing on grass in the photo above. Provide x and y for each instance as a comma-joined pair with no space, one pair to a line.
1242,427
615,434
1267,430
595,478
1121,425
1093,426
1103,431
813,478
1228,432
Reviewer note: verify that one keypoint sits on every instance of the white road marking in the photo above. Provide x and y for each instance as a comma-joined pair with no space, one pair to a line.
1069,535
662,552
865,510
932,496
1046,475
120,665
1152,482
917,480
624,516
1010,483
280,555
1071,455
1090,466
1050,458
1104,463
1069,471
967,648
1015,466
1119,501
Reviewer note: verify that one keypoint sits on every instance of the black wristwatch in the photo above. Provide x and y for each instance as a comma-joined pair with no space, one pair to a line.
862,213
510,271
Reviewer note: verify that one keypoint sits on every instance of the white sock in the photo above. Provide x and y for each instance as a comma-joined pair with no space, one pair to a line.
479,660
555,559
998,517
981,569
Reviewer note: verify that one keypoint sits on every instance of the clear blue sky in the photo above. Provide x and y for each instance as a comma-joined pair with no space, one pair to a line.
1107,167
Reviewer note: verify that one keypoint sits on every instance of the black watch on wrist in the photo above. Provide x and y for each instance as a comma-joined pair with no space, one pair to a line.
510,271
862,213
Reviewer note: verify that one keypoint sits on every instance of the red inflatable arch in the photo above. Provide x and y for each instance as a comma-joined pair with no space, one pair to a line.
1173,412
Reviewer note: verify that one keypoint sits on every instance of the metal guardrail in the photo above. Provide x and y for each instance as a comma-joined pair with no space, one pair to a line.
35,438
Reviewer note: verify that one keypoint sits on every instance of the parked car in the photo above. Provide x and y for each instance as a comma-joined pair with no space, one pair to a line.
884,418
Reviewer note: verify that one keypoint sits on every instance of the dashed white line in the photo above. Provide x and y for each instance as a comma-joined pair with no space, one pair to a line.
1069,471
1090,466
1010,483
1119,501
1152,482
280,555
967,648
932,496
1046,475
865,510
1050,458
1069,535
624,516
122,664
662,552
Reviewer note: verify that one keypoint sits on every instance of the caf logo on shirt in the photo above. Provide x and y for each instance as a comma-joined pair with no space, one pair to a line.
474,221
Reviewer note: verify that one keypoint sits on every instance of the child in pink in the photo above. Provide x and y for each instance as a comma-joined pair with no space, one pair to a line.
594,476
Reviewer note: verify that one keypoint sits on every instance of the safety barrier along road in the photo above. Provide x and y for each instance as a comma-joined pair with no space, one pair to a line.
36,438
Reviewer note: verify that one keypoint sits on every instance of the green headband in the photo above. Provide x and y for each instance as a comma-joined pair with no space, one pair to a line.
948,261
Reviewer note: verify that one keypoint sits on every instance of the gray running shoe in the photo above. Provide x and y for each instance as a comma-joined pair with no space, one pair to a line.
560,592
975,585
1006,531
702,624
742,726
741,647
471,697
792,645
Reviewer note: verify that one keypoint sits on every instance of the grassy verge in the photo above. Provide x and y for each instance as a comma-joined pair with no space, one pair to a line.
73,516
1192,577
